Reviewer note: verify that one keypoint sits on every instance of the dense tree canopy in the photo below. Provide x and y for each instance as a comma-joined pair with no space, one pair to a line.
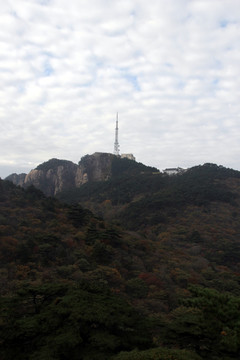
159,280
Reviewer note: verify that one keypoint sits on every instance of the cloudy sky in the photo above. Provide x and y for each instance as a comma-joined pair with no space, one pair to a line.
170,68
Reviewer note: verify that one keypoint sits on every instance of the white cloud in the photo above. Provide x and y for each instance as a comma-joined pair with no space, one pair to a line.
171,70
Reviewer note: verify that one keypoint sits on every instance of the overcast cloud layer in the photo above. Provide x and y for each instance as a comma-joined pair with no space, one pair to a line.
171,68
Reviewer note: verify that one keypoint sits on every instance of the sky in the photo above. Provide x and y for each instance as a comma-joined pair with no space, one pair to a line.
170,68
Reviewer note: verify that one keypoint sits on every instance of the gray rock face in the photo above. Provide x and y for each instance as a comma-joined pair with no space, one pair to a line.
17,179
97,166
52,177
56,175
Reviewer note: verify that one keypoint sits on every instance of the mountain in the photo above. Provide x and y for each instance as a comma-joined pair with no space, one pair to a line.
17,179
55,176
155,197
160,279
71,284
197,212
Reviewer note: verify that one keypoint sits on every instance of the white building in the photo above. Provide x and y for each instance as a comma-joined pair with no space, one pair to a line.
174,171
128,156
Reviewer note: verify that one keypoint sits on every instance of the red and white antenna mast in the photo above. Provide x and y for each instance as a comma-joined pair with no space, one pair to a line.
116,144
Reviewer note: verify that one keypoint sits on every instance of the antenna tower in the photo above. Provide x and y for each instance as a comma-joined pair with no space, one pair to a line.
116,144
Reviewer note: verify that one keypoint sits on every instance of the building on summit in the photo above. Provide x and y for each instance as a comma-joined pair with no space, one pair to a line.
174,171
117,146
128,156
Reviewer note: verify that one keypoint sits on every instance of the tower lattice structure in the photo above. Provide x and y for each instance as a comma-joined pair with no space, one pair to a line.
116,143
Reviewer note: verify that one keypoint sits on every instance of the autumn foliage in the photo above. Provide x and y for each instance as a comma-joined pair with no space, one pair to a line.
152,274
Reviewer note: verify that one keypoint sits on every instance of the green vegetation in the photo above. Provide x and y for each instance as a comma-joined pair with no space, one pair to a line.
52,164
60,321
208,322
158,354
160,280
125,167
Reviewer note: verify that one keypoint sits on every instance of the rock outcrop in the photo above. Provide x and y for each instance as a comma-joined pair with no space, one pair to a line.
53,176
97,167
17,179
56,175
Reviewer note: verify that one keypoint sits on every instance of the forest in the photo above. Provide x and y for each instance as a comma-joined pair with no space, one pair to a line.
143,266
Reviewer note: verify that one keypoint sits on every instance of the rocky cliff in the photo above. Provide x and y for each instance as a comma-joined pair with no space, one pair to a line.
17,179
53,176
97,167
56,175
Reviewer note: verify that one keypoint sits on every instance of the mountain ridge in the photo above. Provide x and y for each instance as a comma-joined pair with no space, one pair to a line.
169,257
55,175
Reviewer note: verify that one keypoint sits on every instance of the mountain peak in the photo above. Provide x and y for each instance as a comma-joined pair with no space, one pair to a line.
55,175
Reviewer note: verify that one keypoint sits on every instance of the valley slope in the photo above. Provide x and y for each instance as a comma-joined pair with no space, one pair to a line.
158,261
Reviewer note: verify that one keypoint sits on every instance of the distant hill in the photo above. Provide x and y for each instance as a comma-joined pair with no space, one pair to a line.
55,176
153,194
198,205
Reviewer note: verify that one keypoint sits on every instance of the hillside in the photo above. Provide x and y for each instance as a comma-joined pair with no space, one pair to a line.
160,281
55,176
148,193
200,206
